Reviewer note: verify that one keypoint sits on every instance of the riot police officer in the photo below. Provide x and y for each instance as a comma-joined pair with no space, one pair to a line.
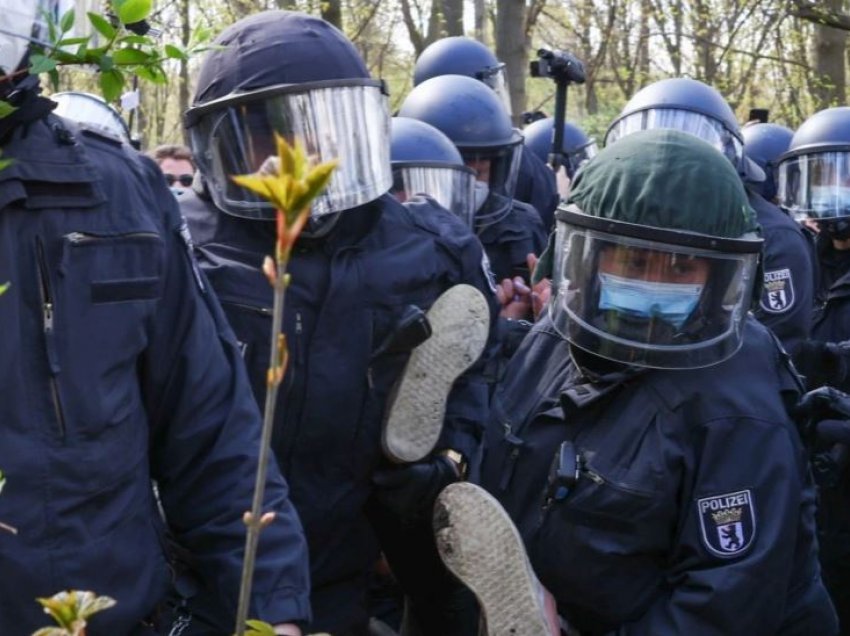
576,149
621,441
765,143
460,55
693,107
362,273
120,369
814,182
425,161
471,116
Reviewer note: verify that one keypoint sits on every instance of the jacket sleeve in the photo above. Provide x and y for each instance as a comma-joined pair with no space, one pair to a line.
787,298
754,472
205,431
467,408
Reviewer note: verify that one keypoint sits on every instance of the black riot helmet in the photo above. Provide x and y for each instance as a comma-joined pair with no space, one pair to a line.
298,76
460,55
425,161
765,144
692,107
814,175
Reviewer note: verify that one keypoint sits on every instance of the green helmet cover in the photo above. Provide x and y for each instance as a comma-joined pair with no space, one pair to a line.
667,179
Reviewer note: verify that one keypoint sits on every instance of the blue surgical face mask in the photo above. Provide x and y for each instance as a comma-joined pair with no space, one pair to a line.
830,200
670,302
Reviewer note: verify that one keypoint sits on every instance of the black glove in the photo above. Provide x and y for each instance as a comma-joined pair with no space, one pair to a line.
822,362
411,489
825,414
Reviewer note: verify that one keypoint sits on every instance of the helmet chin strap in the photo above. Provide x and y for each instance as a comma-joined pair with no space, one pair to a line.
25,96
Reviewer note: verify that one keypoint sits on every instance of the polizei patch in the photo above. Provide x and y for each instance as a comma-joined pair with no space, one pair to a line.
778,293
728,523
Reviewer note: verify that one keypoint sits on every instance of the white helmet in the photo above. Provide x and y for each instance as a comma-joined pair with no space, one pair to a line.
24,23
91,110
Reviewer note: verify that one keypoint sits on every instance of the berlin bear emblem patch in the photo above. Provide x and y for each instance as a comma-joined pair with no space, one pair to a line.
727,522
778,292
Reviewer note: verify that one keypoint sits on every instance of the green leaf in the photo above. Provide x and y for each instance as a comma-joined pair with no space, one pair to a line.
106,63
41,64
130,11
175,52
66,23
130,56
102,25
72,41
111,84
6,109
153,73
54,79
142,40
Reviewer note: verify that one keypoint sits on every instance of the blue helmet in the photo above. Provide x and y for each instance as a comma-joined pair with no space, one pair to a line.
692,107
814,174
425,161
576,148
295,75
461,55
764,144
470,114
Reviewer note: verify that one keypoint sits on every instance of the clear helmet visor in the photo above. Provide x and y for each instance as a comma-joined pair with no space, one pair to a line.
347,121
92,111
497,167
496,77
706,128
647,303
450,186
816,186
579,157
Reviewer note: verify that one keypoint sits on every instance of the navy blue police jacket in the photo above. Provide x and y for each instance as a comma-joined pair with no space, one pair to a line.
348,291
693,508
537,186
119,368
789,265
509,238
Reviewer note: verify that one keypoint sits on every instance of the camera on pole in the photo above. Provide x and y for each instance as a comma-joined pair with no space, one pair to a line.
565,69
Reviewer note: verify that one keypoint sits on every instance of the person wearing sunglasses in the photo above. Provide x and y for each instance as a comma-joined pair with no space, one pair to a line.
177,165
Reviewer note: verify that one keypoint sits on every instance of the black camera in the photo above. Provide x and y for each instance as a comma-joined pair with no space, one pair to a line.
559,65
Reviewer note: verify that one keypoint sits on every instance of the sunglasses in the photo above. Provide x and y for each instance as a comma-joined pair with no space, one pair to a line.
184,179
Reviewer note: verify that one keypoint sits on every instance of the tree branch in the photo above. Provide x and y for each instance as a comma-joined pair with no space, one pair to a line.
813,13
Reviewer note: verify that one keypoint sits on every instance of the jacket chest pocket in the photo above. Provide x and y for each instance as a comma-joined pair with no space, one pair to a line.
101,290
607,528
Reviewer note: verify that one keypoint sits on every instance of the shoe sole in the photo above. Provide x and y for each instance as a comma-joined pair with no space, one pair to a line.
480,545
460,323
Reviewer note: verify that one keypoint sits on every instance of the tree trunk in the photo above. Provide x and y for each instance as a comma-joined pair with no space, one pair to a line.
453,16
480,21
642,56
829,46
332,12
185,35
512,49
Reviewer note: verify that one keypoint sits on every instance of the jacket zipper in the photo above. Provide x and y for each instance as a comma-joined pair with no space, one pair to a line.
265,311
83,238
48,312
